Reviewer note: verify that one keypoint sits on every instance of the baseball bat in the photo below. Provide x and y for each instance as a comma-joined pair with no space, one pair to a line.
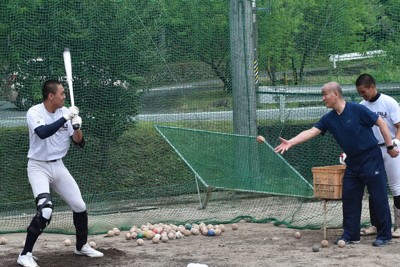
68,71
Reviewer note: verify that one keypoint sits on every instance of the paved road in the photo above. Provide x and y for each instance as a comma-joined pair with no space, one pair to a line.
11,118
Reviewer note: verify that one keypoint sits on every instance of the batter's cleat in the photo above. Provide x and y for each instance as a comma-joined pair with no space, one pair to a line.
381,242
369,231
88,251
347,241
27,260
396,232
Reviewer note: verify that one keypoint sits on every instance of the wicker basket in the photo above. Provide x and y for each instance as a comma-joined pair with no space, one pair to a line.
328,181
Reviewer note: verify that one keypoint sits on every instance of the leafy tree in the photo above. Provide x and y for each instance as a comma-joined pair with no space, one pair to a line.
199,30
102,51
300,34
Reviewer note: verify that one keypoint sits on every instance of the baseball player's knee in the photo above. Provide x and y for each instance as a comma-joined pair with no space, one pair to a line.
78,206
43,214
44,206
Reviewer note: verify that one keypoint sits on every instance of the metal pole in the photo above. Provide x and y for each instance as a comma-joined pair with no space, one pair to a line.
242,59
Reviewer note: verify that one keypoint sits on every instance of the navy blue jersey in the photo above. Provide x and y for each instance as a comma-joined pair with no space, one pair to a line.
352,129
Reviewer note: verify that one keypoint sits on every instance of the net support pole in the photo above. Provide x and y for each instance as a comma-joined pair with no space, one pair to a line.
242,46
325,219
204,204
198,190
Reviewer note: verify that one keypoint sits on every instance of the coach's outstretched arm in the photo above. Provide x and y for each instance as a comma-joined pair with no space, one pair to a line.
298,139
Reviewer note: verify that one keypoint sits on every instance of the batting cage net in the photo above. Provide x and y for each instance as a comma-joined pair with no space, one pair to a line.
172,95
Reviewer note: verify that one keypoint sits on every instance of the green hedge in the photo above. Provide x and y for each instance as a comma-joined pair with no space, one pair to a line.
140,161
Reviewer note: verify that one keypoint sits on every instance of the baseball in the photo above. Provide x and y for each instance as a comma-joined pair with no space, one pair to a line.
217,231
341,243
164,238
156,240
324,243
315,248
171,235
297,235
211,232
3,241
194,231
188,226
116,231
186,233
140,242
67,242
128,236
133,235
150,235
181,228
204,230
92,244
260,139
110,233
235,226
178,235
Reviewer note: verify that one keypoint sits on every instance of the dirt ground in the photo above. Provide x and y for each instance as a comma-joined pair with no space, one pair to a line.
250,245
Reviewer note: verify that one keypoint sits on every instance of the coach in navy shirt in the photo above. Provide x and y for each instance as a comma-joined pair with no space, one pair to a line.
351,126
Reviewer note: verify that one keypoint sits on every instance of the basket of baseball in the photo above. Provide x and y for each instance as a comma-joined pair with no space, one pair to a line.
328,181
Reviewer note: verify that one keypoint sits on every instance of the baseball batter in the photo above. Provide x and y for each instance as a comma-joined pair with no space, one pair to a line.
389,110
50,134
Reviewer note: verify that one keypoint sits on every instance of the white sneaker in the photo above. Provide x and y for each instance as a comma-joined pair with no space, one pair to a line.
88,251
27,260
396,232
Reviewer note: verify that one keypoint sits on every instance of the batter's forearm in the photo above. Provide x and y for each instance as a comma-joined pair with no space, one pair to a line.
48,130
77,136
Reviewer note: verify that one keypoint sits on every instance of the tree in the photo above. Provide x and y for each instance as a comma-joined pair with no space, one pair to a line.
199,30
102,50
300,34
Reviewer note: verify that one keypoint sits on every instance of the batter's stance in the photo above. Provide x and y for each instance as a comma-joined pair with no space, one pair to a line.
50,134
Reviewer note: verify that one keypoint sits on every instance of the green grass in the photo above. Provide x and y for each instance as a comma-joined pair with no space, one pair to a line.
201,101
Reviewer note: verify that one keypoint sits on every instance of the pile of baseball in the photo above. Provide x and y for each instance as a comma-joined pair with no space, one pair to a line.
162,233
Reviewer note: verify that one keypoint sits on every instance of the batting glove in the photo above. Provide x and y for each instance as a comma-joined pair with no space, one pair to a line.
76,122
72,112
342,158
